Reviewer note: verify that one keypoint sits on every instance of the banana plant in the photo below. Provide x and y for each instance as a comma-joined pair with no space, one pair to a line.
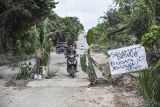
89,37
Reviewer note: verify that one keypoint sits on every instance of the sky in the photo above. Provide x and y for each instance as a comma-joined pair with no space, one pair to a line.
88,11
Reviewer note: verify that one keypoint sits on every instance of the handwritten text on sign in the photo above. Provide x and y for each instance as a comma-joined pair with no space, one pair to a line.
127,59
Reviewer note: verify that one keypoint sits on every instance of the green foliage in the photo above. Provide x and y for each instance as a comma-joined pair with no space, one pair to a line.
125,25
29,41
83,62
24,71
89,38
46,51
151,42
149,84
16,18
19,49
66,28
152,37
134,21
45,44
21,21
56,28
149,80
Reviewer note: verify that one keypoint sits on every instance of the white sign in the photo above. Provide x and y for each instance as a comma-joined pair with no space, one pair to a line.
127,59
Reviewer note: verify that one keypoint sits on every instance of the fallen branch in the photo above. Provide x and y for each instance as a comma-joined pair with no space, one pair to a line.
91,72
98,66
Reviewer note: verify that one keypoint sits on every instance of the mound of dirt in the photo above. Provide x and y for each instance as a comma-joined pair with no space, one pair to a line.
127,81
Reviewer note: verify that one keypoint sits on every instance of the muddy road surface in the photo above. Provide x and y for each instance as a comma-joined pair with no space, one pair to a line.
64,91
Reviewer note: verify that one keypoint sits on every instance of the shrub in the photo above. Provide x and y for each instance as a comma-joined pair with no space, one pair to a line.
149,85
24,71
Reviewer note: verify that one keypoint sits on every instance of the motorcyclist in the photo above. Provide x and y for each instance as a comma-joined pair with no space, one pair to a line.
70,50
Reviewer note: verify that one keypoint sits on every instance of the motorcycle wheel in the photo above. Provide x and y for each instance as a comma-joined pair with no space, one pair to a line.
72,73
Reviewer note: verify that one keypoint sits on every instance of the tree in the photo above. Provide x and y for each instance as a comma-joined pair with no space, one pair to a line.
17,16
67,28
135,22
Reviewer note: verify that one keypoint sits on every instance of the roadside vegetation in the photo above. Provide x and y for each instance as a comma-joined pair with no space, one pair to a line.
22,24
134,22
29,28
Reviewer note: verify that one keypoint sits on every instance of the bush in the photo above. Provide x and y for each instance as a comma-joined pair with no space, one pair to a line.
24,71
149,85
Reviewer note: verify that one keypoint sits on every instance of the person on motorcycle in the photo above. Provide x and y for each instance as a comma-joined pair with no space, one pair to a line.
70,50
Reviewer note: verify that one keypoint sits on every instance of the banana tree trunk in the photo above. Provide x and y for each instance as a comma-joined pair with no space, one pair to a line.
40,52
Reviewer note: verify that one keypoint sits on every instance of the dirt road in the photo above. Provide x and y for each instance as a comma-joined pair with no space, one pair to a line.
63,91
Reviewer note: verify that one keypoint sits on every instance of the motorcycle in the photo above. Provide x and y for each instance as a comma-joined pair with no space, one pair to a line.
71,65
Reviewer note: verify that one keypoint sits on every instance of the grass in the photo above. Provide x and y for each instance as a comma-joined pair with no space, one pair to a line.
149,85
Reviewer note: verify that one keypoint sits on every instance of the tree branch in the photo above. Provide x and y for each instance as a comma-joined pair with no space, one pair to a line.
119,30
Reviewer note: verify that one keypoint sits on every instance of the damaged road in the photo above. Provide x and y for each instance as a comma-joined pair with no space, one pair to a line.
64,91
